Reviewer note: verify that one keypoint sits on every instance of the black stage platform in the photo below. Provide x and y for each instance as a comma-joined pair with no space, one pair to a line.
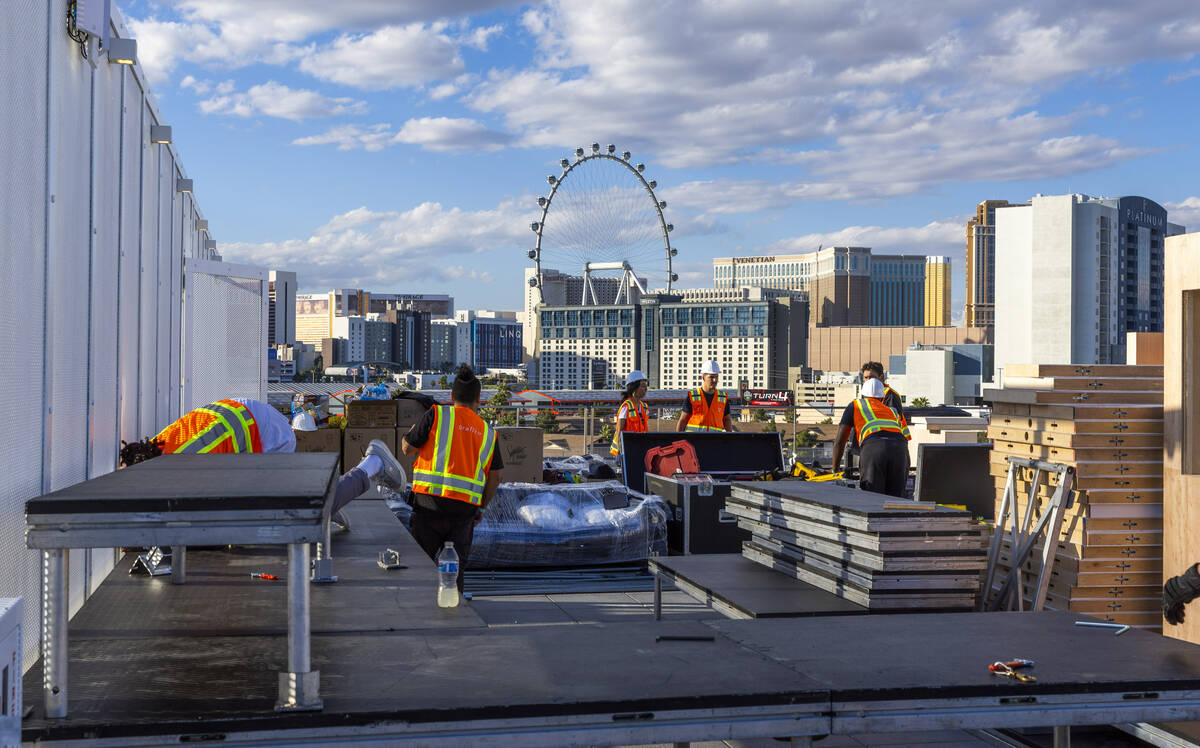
737,587
154,664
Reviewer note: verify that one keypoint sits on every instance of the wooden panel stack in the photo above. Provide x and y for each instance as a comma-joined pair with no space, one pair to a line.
1107,423
880,552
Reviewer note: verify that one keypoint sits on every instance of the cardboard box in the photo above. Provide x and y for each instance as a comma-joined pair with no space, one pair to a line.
521,450
408,412
372,414
355,441
321,440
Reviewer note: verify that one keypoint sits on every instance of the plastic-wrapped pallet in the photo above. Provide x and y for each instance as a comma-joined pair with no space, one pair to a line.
529,524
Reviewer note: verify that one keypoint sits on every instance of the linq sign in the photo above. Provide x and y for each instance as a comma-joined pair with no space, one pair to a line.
777,398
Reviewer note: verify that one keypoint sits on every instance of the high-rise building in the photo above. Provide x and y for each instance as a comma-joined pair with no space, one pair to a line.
897,290
845,285
561,289
1079,273
316,312
366,339
754,334
281,313
937,291
410,338
494,338
980,309
443,344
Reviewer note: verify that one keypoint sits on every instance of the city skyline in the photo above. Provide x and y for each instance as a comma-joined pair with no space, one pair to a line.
402,146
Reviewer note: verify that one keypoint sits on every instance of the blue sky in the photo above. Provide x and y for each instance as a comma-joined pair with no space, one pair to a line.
400,146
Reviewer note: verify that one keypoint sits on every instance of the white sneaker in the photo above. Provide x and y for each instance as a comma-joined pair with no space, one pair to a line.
392,475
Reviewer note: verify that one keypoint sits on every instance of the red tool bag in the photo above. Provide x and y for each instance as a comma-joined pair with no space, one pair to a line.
676,457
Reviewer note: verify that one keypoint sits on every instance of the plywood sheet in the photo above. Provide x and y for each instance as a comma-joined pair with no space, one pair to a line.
1086,384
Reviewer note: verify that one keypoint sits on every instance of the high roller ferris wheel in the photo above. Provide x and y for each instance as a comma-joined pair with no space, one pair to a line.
606,221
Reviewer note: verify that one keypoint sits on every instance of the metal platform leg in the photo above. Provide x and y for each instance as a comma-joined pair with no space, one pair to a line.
178,564
300,686
322,568
55,608
657,596
1062,736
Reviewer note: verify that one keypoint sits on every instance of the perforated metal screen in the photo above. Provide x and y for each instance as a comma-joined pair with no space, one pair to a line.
226,332
22,286
91,308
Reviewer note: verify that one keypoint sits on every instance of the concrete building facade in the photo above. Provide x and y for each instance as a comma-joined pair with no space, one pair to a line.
494,338
942,374
937,291
1079,273
846,348
443,344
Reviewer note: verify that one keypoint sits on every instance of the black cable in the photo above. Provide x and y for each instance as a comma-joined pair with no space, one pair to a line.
73,32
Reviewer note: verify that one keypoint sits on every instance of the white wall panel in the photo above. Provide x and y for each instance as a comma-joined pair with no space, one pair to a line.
129,279
148,307
23,201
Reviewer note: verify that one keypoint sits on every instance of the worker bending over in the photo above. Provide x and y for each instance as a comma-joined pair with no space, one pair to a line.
456,471
633,414
243,425
706,408
883,436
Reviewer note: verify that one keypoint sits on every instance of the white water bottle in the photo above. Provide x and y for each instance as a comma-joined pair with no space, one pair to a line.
447,563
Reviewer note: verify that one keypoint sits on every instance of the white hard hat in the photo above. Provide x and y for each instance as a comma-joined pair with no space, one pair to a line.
303,421
872,388
634,376
710,367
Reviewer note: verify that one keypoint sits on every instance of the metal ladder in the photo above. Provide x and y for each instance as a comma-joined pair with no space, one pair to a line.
1024,537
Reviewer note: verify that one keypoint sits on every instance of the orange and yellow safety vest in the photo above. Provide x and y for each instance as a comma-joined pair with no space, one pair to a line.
706,417
871,416
454,462
224,426
637,420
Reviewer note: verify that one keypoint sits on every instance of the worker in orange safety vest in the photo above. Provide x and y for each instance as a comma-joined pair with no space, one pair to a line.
883,438
236,426
706,408
633,414
456,472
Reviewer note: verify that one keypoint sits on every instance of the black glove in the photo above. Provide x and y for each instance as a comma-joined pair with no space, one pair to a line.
1178,592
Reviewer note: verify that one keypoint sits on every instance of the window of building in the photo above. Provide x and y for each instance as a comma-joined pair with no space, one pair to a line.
668,331
612,333
668,316
711,314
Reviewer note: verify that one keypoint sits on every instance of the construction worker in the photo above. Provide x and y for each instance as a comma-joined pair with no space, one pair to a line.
244,425
706,408
891,398
883,436
1178,592
456,471
633,415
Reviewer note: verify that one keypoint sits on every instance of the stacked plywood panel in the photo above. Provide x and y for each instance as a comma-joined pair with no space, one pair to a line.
1107,423
855,545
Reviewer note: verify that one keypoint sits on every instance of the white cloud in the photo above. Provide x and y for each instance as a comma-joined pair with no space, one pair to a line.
351,137
441,134
400,249
1181,76
233,33
884,98
449,134
273,99
1186,213
942,237
391,57
479,38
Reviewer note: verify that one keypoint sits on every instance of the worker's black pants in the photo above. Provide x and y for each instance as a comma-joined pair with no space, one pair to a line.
432,528
883,465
